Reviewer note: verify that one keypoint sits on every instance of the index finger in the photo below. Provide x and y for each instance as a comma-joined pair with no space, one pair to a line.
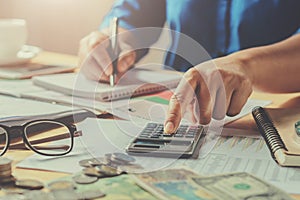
183,96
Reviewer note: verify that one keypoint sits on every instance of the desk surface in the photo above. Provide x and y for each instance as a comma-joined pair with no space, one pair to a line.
279,100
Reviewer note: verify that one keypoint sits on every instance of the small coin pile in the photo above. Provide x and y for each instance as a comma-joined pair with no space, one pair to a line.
6,176
32,189
112,164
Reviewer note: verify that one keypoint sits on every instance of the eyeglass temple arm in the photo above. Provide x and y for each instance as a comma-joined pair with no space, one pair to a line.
49,139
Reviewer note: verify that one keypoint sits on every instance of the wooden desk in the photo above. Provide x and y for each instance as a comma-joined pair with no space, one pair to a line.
279,100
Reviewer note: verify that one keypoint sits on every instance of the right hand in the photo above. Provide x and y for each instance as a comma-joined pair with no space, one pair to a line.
94,59
212,89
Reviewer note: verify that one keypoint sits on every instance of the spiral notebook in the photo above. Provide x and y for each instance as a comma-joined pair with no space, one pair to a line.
277,126
133,83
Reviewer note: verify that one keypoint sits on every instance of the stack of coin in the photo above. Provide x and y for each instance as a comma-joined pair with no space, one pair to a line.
112,164
102,171
123,162
6,176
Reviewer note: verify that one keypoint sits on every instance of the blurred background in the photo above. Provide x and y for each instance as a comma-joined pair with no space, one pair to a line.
57,25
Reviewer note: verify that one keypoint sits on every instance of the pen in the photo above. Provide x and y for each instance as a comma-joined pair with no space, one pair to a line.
114,46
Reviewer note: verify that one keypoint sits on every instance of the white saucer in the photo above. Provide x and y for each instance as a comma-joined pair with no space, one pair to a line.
24,55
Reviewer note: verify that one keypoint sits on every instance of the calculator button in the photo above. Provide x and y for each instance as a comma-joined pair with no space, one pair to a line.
178,135
167,135
154,136
190,136
147,132
152,125
159,129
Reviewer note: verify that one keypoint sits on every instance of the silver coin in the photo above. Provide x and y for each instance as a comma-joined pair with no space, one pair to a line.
84,179
64,194
85,163
5,161
91,194
98,161
115,162
29,184
61,185
92,171
37,194
13,197
123,157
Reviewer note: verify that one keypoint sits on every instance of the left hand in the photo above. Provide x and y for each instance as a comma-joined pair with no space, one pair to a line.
210,90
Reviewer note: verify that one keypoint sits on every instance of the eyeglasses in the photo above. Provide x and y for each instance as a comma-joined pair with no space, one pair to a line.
46,137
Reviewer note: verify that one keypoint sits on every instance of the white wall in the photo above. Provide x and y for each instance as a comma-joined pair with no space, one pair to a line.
57,25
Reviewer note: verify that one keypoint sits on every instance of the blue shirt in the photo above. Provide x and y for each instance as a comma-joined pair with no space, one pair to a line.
220,26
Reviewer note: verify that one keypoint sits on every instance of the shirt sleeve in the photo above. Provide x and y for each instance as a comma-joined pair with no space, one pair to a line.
134,14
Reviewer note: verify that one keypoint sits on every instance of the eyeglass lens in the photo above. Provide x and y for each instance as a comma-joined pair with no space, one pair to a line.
3,140
48,137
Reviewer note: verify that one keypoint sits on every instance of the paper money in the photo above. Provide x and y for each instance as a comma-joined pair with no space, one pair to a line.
174,184
240,186
118,187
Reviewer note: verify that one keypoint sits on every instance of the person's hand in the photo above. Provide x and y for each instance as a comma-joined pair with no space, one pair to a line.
210,90
95,60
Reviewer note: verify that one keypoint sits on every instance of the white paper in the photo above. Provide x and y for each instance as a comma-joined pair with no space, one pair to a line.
99,138
11,106
26,90
134,82
251,155
143,110
18,87
229,154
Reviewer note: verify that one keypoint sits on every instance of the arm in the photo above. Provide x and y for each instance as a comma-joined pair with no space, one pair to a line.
274,68
223,85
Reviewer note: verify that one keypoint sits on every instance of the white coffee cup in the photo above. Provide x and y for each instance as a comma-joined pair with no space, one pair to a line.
13,36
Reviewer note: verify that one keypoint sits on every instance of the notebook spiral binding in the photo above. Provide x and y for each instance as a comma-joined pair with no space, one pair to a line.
268,130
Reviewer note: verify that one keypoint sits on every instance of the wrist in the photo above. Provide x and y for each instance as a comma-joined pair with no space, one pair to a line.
247,61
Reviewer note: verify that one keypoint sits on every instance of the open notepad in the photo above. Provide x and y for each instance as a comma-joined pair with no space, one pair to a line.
133,83
277,126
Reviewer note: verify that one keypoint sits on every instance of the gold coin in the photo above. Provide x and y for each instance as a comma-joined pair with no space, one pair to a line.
7,180
29,184
107,170
6,173
61,185
91,194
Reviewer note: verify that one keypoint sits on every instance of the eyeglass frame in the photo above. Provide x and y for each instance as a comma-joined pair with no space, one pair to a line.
8,129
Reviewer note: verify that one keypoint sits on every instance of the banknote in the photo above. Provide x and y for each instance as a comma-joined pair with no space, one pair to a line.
119,187
240,186
173,184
